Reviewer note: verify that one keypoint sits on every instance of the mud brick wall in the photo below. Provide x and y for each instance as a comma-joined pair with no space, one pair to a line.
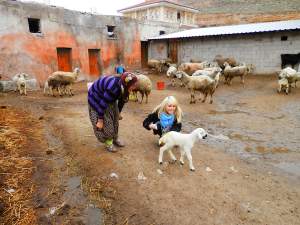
74,33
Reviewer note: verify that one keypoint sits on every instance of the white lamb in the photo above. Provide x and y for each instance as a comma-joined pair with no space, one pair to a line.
283,85
20,80
185,142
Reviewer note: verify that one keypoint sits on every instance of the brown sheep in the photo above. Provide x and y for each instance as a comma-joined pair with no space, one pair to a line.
221,60
190,68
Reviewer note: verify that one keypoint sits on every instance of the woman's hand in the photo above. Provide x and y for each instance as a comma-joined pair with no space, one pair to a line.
99,124
153,126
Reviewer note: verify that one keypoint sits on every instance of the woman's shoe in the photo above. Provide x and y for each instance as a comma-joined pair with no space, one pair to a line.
119,143
111,148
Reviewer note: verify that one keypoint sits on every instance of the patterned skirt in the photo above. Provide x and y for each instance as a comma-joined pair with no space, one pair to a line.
110,122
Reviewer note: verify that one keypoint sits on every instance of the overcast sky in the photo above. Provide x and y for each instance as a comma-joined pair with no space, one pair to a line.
106,7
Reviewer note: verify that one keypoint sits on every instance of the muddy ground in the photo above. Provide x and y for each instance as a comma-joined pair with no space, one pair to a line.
247,171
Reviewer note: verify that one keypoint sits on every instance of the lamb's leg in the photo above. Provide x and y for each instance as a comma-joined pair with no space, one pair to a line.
172,156
190,158
161,152
51,90
279,89
142,93
59,91
173,82
182,153
71,90
146,98
211,99
243,80
205,96
192,97
25,92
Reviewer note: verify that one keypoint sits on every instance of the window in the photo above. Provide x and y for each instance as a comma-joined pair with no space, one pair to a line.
178,16
284,38
111,31
161,32
34,25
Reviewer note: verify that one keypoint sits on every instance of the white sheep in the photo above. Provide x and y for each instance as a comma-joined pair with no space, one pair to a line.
237,71
286,72
283,85
204,84
20,80
211,72
171,73
143,86
185,142
17,77
62,81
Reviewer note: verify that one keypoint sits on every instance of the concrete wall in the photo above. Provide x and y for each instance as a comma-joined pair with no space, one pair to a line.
36,53
262,49
158,50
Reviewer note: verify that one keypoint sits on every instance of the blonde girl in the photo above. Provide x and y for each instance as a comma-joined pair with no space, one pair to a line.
165,117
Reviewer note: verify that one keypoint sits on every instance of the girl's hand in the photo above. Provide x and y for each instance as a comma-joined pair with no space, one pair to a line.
99,124
153,126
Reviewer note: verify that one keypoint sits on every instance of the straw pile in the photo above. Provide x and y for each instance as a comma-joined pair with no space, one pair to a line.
16,187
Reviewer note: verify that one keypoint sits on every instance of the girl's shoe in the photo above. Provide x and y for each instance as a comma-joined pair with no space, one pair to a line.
111,148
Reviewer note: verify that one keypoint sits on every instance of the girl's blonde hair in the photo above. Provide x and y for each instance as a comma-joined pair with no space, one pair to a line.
167,101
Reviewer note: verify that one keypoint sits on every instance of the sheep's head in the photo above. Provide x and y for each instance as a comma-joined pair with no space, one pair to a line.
226,64
179,74
201,133
77,70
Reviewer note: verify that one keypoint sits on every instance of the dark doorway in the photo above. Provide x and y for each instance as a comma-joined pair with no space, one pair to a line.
144,53
290,60
173,51
64,59
94,62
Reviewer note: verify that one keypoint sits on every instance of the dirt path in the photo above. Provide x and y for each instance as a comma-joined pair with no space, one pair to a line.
254,158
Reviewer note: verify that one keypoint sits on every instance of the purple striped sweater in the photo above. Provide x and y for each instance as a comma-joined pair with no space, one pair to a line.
103,91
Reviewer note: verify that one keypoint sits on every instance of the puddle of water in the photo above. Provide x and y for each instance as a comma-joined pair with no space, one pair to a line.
93,216
73,183
264,150
292,168
215,112
220,137
242,137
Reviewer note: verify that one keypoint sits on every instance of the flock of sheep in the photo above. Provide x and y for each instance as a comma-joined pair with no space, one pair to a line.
203,76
